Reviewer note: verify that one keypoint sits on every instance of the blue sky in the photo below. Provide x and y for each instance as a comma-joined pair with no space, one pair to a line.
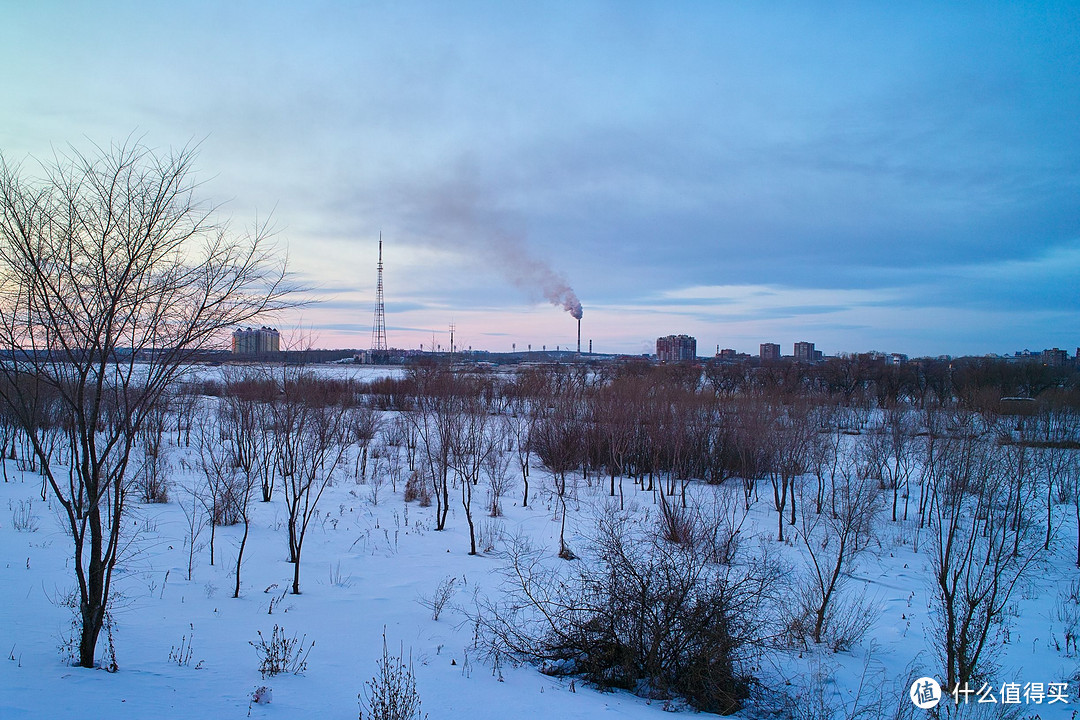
892,176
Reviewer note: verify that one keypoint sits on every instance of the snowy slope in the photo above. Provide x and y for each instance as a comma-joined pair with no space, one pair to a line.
364,568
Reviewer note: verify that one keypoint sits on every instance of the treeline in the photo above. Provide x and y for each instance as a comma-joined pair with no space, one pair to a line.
971,383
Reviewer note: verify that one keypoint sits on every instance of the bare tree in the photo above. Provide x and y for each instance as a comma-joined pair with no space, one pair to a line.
974,564
8,434
470,447
111,277
497,473
218,466
613,412
248,415
790,442
1056,442
185,404
934,428
378,478
754,419
432,416
556,439
395,466
890,453
195,520
833,541
250,453
824,452
1071,483
363,426
151,473
519,424
313,435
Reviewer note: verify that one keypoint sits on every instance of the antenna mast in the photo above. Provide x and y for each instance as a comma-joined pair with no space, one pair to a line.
378,329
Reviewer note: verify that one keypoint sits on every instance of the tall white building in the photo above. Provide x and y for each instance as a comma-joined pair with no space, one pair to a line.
256,341
676,348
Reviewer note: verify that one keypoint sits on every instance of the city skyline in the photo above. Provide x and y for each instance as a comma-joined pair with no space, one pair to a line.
900,179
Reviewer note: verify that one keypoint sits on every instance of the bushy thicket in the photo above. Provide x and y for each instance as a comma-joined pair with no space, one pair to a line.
640,613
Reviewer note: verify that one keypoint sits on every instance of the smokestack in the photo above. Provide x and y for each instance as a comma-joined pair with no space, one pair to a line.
579,335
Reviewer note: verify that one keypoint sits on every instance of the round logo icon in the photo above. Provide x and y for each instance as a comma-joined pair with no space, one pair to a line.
925,693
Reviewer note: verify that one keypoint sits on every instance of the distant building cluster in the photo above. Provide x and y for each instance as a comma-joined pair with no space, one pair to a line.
805,352
1050,357
256,341
676,348
802,352
1054,357
769,351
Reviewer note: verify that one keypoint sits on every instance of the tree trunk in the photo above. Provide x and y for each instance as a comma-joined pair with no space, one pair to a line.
466,501
213,526
240,558
525,478
93,617
296,574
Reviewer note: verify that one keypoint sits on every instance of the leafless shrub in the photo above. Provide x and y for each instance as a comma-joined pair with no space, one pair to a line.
812,695
391,693
281,654
151,480
851,619
22,517
638,613
676,522
846,620
417,489
719,527
182,654
1067,612
439,599
378,481
488,534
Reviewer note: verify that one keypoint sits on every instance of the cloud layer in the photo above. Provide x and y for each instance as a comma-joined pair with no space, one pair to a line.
902,177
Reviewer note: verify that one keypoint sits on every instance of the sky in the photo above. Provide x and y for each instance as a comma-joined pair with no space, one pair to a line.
900,177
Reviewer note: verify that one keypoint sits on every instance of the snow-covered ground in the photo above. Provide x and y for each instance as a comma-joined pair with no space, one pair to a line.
364,568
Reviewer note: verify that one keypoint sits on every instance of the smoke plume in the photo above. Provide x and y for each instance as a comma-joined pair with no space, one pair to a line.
458,212
535,276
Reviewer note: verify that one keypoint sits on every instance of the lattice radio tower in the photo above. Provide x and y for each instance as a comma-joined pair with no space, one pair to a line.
378,329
